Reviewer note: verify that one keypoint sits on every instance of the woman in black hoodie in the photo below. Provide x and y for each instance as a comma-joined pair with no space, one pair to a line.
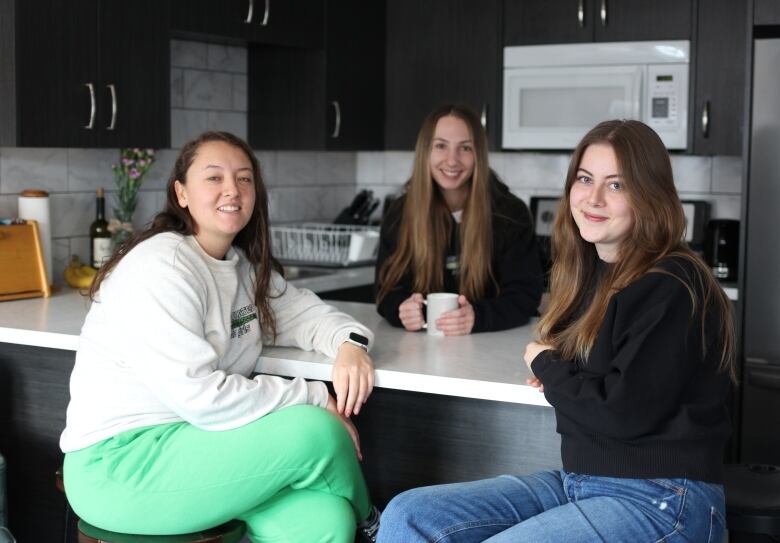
457,229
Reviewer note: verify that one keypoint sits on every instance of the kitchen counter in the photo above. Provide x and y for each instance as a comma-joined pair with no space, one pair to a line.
483,366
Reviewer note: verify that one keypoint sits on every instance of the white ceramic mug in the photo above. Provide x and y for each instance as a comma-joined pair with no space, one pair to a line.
438,303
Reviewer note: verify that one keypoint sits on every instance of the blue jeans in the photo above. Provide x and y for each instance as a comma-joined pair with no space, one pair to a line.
555,507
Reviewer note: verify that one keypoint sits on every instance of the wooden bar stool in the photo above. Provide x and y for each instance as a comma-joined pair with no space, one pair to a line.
230,532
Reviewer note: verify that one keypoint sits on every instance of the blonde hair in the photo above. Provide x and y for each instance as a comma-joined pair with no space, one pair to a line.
657,233
424,230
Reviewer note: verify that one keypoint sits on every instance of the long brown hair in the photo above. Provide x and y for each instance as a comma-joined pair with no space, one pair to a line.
657,233
424,230
253,239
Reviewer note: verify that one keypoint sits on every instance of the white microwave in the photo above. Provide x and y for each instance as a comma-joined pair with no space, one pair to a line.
554,94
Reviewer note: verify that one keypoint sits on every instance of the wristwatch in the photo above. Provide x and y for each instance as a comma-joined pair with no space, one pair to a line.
358,340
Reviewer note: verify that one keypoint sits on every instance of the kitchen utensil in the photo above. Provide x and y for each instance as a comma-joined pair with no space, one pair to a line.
721,248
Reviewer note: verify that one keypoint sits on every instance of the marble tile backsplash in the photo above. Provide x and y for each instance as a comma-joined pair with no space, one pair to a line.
717,179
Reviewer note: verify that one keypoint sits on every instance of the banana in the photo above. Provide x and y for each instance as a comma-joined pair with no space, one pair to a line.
78,275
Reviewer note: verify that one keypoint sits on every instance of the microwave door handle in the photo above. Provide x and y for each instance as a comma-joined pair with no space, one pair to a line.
705,120
483,116
581,13
603,12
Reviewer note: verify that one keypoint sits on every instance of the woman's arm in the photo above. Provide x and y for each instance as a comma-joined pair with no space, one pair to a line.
159,314
389,306
517,268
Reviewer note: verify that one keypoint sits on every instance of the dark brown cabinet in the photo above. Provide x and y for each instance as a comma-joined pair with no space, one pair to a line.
84,73
441,51
528,22
280,22
766,12
719,84
322,98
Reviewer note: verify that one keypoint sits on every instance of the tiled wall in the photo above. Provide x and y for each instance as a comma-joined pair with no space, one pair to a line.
208,91
717,180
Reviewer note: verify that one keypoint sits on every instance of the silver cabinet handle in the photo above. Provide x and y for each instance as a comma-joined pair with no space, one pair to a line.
581,13
705,120
250,13
337,124
112,89
483,117
603,12
266,13
92,106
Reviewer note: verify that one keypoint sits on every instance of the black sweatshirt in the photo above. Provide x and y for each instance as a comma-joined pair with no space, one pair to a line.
515,261
648,403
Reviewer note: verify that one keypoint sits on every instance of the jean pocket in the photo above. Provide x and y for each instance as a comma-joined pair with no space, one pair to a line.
717,527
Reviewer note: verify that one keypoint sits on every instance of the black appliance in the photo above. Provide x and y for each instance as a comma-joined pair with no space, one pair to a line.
721,248
760,432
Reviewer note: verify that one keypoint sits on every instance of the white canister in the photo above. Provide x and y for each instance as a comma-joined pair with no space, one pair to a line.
34,205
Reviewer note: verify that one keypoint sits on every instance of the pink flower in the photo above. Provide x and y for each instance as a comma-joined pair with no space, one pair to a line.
134,173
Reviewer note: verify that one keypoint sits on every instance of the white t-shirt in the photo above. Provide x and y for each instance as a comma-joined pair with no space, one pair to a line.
174,334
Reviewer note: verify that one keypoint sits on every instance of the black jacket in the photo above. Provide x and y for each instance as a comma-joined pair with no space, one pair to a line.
649,402
515,261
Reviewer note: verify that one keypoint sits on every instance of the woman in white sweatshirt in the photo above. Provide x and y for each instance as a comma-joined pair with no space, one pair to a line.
166,432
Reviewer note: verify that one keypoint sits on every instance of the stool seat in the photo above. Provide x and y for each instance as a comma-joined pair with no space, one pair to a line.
230,532
752,498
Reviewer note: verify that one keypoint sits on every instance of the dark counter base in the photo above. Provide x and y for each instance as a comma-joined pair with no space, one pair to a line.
409,439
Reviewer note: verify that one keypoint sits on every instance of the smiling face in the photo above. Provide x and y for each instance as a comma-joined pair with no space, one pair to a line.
452,160
219,192
599,202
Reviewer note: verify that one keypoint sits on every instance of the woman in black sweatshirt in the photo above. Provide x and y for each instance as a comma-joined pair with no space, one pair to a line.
457,228
636,354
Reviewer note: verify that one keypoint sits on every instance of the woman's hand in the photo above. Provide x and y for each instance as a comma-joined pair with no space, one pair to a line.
535,382
351,430
410,312
457,322
532,350
353,378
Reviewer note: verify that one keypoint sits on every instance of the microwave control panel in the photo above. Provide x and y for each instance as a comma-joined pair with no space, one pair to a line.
666,106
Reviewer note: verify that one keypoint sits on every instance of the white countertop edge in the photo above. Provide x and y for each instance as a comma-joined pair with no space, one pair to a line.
413,382
36,338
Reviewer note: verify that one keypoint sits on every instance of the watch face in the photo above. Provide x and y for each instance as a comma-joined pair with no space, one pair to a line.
357,338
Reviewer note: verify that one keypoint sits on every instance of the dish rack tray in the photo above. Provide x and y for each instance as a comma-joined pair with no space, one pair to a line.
323,244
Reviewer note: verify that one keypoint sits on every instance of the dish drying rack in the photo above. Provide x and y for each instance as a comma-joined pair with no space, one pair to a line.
323,244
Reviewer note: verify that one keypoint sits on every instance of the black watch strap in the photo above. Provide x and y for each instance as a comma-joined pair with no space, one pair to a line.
358,340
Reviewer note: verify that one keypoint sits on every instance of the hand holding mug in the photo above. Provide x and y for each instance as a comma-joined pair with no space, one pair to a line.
410,312
456,322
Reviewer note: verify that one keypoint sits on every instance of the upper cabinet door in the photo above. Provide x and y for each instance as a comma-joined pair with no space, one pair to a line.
278,22
547,21
88,74
766,12
640,20
440,51
134,90
529,22
720,58
355,46
55,70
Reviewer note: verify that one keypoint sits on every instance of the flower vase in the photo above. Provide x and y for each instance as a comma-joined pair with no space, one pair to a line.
121,226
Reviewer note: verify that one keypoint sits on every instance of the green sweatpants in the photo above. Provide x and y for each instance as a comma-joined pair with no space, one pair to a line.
292,476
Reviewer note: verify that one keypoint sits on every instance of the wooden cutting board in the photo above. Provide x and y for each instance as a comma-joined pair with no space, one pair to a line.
22,269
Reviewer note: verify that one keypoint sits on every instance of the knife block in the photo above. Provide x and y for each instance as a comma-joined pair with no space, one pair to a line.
22,268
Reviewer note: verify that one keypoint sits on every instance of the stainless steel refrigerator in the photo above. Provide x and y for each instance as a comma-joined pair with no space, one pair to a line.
760,433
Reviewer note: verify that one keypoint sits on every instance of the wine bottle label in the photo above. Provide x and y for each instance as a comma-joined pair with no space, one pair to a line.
101,250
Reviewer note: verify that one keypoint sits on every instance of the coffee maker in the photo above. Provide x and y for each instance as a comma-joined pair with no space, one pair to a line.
721,251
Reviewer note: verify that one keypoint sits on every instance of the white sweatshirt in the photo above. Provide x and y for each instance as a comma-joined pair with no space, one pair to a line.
173,336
